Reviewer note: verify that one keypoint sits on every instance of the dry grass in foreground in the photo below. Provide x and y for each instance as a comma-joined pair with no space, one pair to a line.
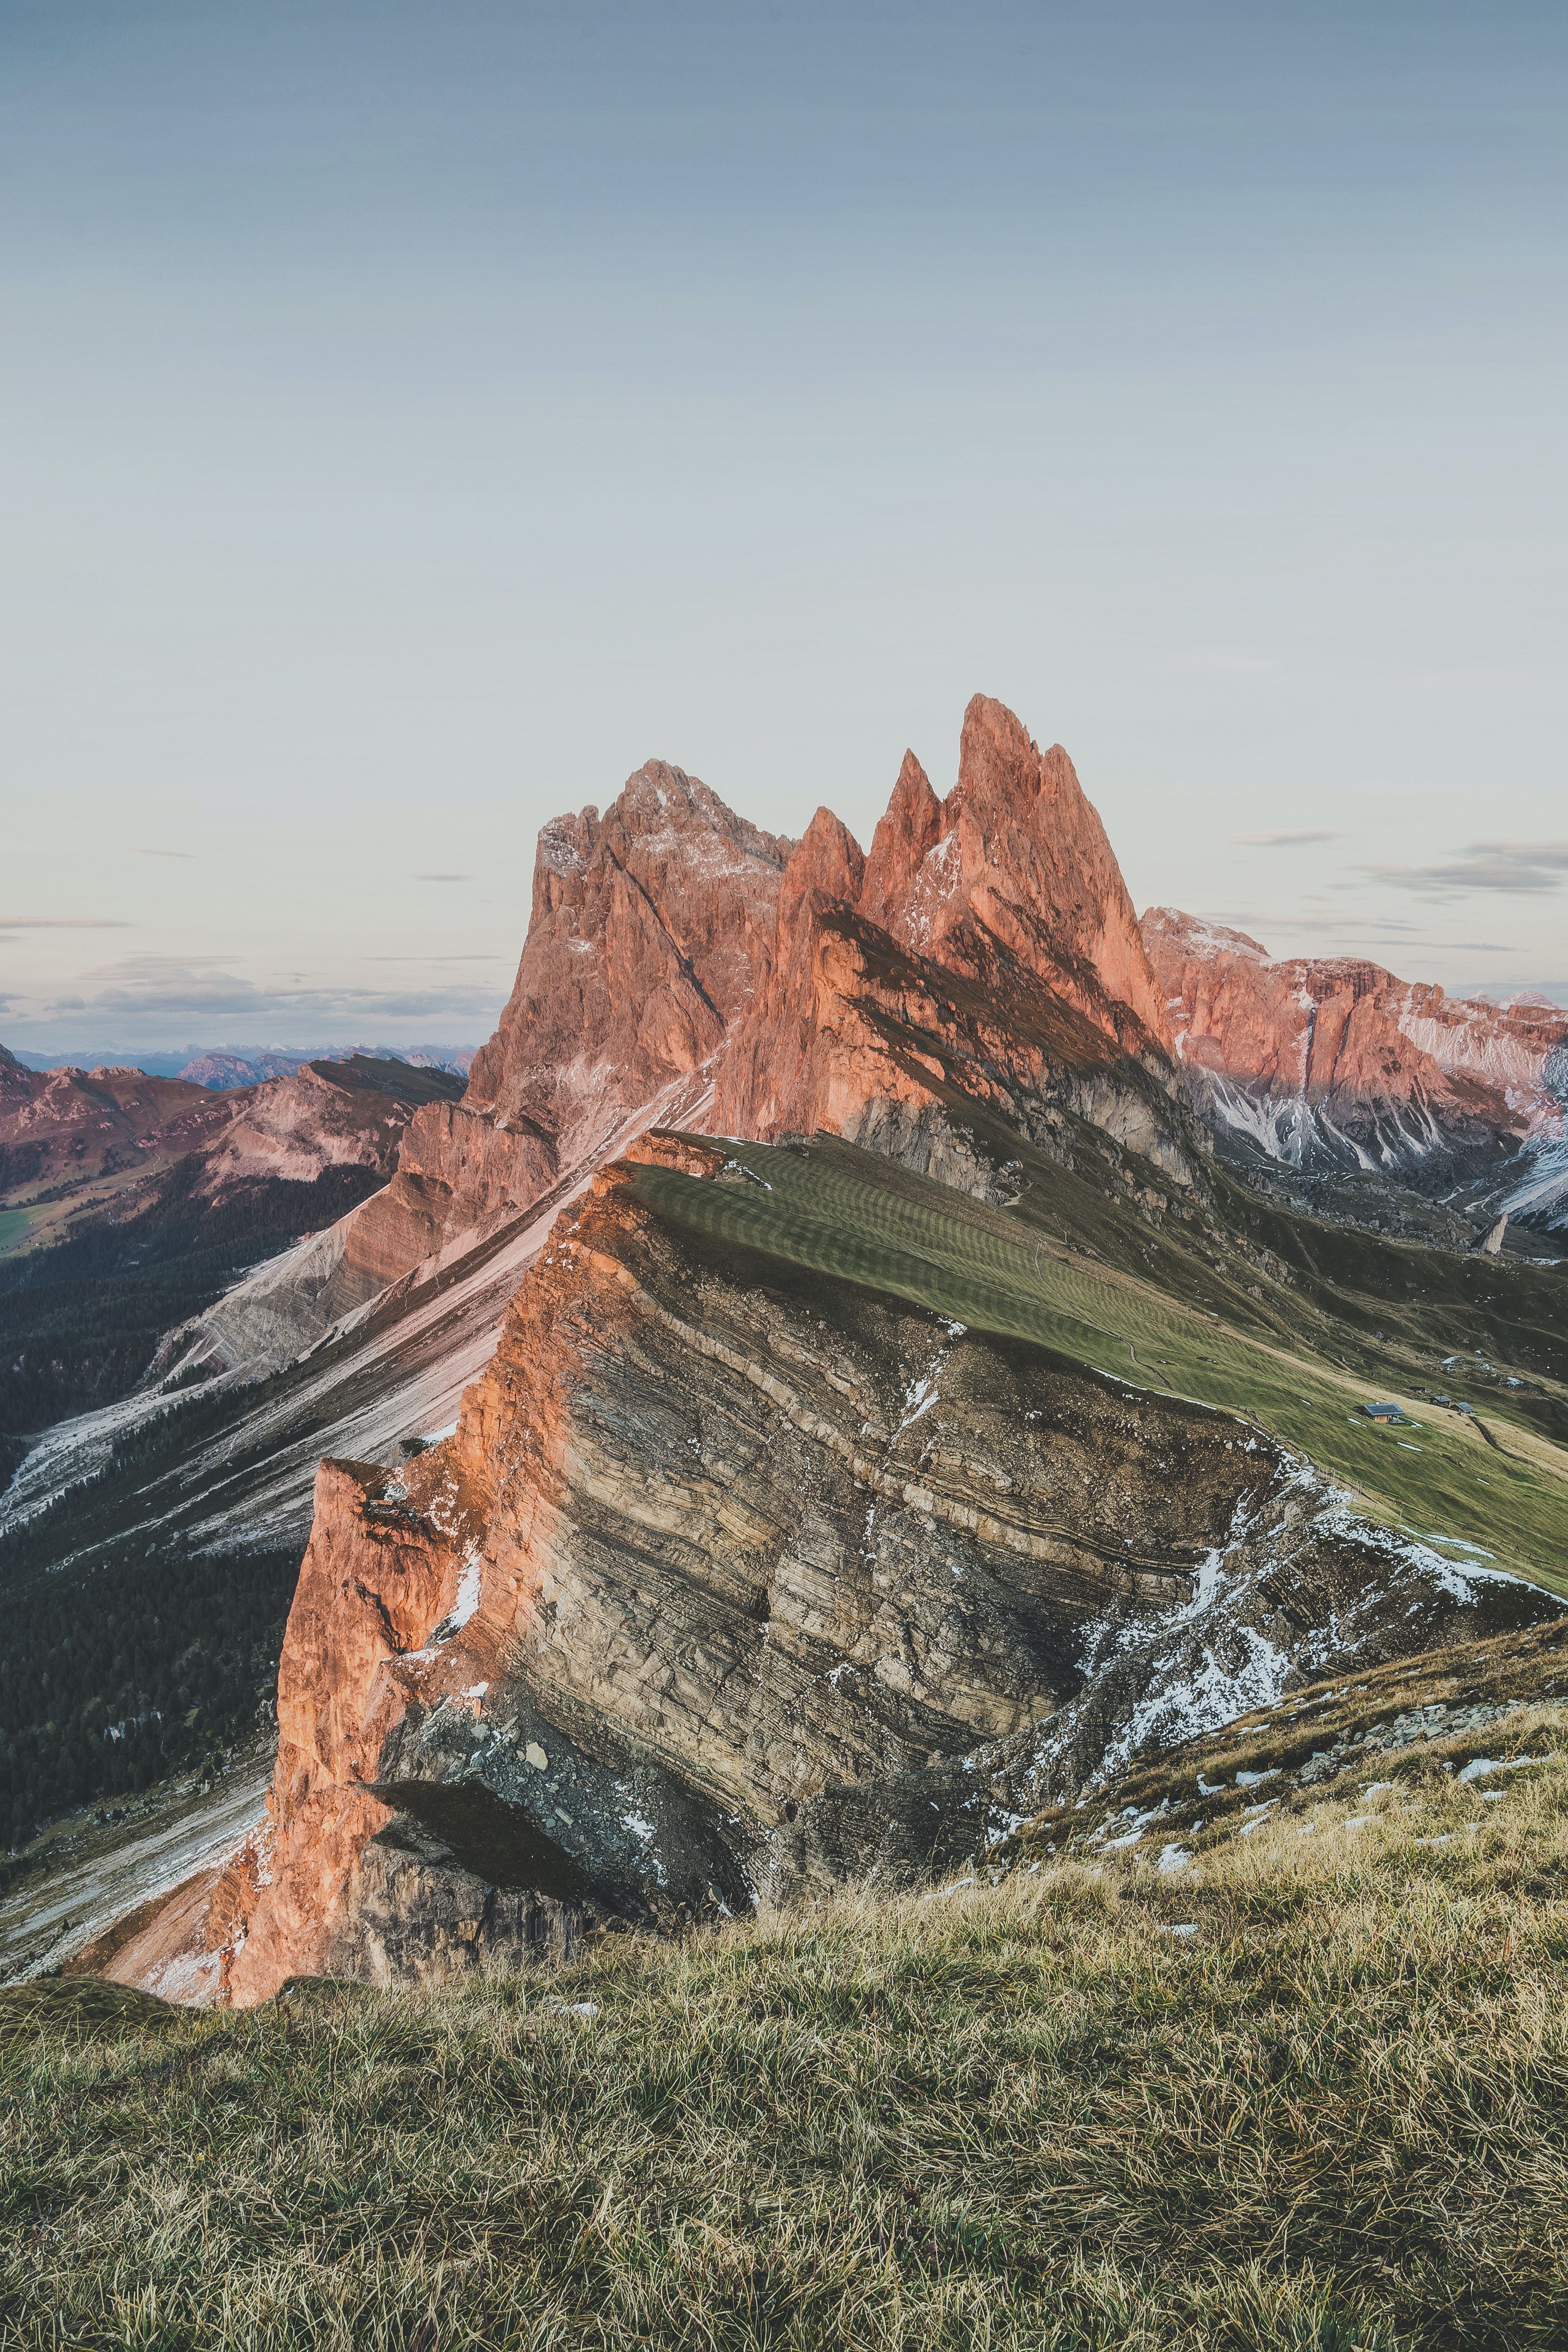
1333,2114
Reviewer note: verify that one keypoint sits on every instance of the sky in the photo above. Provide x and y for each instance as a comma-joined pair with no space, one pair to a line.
411,419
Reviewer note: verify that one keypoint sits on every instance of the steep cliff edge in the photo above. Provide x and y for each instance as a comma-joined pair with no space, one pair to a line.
736,1582
683,966
838,1489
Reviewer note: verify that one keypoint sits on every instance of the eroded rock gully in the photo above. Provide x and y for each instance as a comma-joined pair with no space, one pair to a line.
733,1583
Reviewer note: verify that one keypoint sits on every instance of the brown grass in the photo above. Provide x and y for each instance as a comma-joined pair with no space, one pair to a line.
1016,2115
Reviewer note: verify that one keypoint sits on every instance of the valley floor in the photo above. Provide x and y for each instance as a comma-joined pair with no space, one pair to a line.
1297,2077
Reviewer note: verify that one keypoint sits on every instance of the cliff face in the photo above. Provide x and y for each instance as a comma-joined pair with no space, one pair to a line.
647,930
733,1584
1340,1063
984,955
683,967
736,1580
702,1599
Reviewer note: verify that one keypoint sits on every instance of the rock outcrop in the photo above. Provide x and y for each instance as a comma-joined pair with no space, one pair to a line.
735,1582
729,1588
647,929
984,956
1338,1064
683,966
693,1568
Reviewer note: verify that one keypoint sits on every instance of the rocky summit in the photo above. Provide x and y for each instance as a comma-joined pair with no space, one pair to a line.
855,1368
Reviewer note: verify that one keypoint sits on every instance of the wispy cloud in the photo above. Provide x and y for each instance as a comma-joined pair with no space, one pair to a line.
188,855
1296,840
443,877
64,923
1476,871
1533,853
1355,931
148,1000
1530,867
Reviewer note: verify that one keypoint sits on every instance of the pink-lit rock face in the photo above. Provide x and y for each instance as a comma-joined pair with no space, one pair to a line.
986,948
649,926
688,1603
986,952
685,968
1017,849
1301,1052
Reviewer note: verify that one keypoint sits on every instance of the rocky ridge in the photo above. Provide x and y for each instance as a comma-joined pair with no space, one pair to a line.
94,1145
726,1589
647,930
983,957
1338,1065
732,1582
682,966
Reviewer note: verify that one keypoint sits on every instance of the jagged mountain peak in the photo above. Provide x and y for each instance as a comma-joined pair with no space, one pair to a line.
954,1392
986,950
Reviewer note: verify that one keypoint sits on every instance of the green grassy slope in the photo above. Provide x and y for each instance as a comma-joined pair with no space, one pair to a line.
13,1226
1308,2095
1092,1279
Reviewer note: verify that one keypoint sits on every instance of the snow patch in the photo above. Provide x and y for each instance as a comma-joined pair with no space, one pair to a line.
468,1599
1480,1767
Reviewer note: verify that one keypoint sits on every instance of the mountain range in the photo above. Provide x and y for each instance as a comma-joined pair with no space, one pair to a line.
883,1338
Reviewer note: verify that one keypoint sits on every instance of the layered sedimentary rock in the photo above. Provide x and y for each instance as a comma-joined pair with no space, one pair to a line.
734,1581
984,954
703,1570
1338,1063
732,1585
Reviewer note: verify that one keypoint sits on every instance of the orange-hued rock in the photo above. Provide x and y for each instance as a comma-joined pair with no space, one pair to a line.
732,1586
984,954
1019,852
376,1579
647,930
697,1566
1337,1059
683,968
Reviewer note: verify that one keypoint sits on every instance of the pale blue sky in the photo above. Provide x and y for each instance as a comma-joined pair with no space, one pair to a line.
414,418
